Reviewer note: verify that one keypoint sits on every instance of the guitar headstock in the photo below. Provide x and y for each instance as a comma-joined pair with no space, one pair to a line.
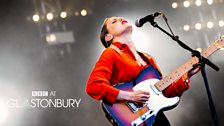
219,43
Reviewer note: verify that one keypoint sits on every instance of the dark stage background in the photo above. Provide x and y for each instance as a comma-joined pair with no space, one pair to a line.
28,63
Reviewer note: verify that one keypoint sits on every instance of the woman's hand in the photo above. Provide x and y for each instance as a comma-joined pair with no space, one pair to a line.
193,71
135,96
196,68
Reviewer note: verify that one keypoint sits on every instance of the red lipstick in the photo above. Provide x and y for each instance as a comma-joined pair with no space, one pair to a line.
124,21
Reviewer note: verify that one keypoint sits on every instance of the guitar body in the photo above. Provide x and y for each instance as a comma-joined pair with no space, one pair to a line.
125,113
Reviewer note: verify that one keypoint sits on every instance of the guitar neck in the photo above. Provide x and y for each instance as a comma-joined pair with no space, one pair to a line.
180,71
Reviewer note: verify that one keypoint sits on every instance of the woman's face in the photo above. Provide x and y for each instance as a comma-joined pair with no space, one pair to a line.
117,26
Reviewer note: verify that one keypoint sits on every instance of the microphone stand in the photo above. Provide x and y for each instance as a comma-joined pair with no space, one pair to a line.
202,62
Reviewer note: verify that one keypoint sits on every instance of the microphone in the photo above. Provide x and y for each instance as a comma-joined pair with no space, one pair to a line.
149,18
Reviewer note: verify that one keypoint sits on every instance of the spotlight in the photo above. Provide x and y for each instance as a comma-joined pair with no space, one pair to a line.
198,26
198,3
221,23
51,38
186,27
210,25
174,5
83,12
186,3
63,14
36,17
50,16
210,2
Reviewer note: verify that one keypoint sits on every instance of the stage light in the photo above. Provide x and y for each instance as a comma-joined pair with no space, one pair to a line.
83,12
63,14
51,38
36,18
210,24
186,3
186,27
198,3
210,2
198,26
50,16
221,23
174,5
3,112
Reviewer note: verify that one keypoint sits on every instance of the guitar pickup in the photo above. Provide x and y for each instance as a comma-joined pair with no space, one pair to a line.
134,106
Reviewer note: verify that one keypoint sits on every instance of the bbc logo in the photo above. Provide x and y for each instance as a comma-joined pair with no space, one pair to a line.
39,93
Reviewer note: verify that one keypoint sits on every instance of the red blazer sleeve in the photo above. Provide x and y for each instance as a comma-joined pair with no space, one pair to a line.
175,89
98,85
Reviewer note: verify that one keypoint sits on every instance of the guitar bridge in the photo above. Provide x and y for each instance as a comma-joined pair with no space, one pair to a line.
134,106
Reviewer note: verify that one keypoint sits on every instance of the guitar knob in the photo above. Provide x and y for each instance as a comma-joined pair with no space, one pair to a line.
143,117
134,124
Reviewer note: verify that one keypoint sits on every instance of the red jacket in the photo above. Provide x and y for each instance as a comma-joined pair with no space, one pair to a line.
113,68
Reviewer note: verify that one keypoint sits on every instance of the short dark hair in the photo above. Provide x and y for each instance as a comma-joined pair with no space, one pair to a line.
103,33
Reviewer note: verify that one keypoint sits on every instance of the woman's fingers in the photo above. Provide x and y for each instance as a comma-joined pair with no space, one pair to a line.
141,96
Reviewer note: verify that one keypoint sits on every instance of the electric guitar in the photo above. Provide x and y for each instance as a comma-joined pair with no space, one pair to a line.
126,113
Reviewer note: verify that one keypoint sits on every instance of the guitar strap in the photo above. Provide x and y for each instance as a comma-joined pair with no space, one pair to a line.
143,56
146,58
115,48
